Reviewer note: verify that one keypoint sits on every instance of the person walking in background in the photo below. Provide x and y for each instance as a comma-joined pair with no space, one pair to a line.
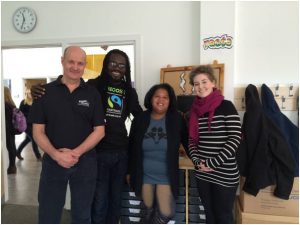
10,134
25,106
214,137
68,122
155,137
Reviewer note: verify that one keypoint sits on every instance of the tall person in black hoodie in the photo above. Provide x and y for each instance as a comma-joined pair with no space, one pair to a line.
119,100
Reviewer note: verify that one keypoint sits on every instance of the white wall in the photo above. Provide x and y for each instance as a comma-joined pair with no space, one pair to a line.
218,18
267,47
169,30
265,41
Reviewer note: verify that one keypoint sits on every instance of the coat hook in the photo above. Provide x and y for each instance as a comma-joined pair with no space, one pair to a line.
290,90
282,101
276,90
243,103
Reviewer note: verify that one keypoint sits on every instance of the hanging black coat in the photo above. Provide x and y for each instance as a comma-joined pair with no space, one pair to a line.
289,130
263,156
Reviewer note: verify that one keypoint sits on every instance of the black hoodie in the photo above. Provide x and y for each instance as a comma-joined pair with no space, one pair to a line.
289,130
116,137
263,157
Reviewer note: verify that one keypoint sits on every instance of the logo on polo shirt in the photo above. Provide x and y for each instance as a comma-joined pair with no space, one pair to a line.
83,103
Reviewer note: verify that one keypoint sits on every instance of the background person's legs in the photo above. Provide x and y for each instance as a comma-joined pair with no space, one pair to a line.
22,146
12,151
34,145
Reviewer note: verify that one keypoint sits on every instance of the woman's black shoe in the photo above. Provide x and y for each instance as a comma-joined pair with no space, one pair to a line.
19,156
12,170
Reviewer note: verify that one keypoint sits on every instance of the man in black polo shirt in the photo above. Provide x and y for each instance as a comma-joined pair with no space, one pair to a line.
67,125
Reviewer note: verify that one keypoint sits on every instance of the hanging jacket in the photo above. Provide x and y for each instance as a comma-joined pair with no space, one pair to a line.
263,156
289,130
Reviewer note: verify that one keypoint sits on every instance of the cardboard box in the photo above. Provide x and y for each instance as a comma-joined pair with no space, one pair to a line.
252,218
266,203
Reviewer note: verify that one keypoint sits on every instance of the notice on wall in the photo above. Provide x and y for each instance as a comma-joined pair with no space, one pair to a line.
223,41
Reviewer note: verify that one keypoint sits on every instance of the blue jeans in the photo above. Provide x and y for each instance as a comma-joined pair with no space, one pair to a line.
53,186
112,168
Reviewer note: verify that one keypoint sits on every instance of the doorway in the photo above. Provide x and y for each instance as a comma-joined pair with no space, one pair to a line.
23,67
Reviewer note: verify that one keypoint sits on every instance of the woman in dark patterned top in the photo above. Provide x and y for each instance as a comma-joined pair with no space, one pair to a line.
214,137
155,137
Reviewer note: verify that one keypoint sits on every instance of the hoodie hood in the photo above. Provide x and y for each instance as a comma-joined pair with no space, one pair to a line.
252,98
268,101
289,130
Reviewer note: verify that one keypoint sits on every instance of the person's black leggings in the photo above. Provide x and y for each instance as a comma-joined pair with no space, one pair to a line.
11,148
217,200
29,138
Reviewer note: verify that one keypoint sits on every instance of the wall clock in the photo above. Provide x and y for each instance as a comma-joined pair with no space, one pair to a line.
24,19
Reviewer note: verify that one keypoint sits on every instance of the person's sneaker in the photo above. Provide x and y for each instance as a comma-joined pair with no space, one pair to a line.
19,156
12,170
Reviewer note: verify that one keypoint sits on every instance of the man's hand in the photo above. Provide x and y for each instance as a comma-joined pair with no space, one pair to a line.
37,91
66,157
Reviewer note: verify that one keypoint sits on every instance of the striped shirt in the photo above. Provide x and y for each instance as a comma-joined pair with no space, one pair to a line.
218,146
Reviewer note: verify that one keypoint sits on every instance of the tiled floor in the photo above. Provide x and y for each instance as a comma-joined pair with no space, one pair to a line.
21,207
23,186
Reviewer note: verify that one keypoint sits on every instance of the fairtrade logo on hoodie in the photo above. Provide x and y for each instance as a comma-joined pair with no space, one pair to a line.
115,102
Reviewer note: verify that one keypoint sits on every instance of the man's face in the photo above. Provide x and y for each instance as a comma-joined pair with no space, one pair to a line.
117,67
74,63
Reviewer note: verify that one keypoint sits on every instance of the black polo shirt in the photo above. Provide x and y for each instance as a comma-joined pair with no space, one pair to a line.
69,118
